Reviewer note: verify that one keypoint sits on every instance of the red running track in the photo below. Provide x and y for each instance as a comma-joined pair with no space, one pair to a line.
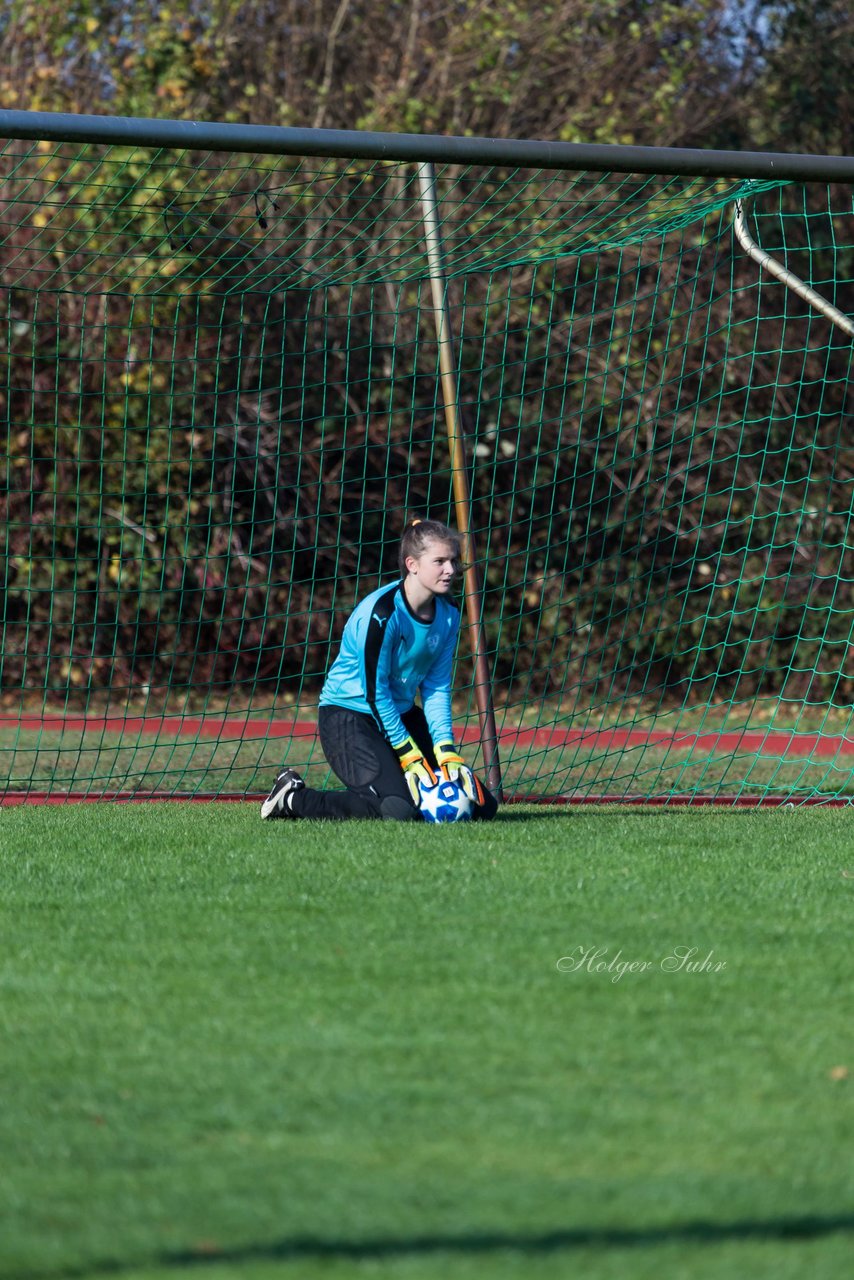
770,742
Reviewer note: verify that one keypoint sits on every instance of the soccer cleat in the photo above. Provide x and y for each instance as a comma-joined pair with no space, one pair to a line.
277,803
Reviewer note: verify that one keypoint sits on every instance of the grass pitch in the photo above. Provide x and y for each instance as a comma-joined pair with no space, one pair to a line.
236,1049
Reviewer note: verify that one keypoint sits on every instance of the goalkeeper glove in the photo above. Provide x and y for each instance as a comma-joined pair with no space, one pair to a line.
415,768
454,768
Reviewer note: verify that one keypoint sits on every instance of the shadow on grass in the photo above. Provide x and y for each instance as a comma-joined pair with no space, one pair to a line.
309,1248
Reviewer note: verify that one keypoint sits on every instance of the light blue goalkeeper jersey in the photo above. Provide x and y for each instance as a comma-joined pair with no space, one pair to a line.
388,656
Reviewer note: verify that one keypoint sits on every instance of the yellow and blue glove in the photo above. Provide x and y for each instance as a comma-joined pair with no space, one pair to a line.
454,768
416,769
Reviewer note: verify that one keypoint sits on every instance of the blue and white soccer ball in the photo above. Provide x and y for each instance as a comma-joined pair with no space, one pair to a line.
446,802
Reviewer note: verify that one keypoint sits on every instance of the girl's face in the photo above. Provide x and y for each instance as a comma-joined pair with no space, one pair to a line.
435,568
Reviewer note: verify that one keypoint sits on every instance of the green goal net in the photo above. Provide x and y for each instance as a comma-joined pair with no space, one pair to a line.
221,399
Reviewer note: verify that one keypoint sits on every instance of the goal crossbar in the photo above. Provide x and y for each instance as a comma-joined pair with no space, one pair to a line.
227,352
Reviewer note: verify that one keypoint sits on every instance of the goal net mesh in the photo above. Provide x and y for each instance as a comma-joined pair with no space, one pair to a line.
221,398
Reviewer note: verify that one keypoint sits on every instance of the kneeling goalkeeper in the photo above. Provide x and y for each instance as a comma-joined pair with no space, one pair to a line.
399,642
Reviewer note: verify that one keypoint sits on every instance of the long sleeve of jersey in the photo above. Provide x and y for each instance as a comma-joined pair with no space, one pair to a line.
381,641
436,689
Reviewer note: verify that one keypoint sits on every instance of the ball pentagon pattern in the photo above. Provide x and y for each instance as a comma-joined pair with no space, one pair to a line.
446,802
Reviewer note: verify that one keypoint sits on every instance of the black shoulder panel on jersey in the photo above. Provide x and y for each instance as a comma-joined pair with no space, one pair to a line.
383,610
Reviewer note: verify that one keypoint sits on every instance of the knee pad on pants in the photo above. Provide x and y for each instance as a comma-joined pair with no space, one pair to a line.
398,809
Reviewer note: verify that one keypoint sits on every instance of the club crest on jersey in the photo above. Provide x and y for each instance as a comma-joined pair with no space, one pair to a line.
433,643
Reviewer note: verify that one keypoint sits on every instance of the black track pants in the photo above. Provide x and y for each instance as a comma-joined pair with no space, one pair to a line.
362,759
